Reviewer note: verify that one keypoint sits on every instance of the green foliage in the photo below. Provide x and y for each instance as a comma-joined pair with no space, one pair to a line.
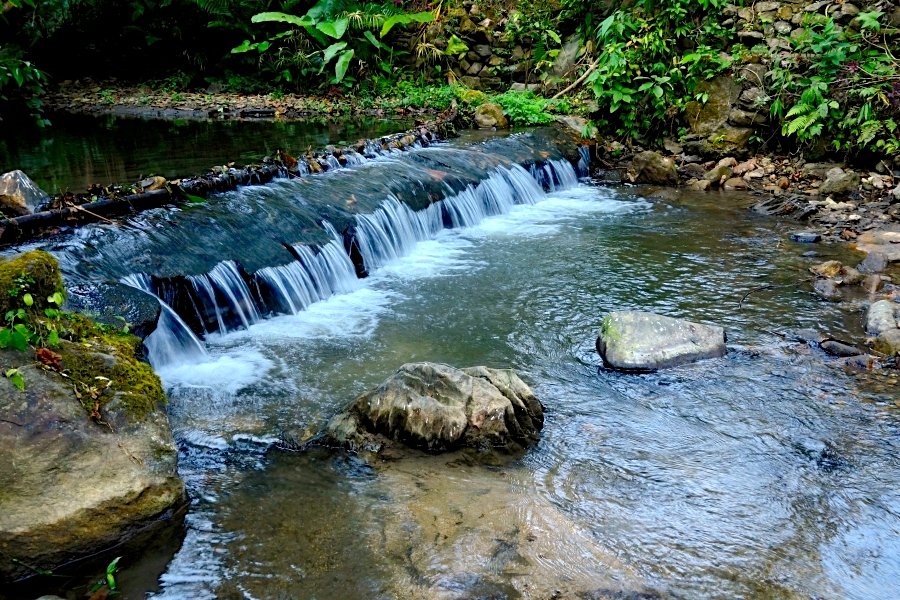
526,108
844,86
21,83
108,581
641,71
332,35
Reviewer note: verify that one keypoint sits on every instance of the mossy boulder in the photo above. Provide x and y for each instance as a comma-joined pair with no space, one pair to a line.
490,115
35,272
89,459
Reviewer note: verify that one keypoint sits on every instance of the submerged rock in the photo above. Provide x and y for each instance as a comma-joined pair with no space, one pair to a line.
436,407
89,459
634,340
19,195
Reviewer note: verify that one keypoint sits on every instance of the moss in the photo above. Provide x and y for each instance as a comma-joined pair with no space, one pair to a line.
40,267
116,357
608,330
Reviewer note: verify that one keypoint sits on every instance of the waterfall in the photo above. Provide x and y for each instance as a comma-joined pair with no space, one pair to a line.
227,294
172,339
392,230
584,163
226,298
314,276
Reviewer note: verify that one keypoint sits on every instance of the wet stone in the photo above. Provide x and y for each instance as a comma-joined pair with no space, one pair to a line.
836,348
806,237
874,262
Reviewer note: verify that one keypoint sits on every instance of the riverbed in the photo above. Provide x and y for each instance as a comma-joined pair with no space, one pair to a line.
770,473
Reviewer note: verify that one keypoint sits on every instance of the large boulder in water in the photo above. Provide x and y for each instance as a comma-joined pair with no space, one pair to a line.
437,408
19,195
88,457
643,341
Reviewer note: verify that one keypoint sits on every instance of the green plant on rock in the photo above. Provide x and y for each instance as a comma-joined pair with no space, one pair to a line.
639,68
843,85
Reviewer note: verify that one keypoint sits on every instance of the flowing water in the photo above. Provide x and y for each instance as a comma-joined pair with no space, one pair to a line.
770,473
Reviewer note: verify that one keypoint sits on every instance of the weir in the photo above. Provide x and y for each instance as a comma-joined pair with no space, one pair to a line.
276,249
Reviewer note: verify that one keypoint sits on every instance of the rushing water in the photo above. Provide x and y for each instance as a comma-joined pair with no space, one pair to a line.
770,473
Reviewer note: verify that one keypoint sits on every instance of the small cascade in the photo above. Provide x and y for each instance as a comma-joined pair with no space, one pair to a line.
315,276
333,162
224,292
391,231
172,339
354,158
584,163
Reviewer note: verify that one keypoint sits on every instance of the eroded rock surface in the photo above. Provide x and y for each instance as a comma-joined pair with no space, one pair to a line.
436,407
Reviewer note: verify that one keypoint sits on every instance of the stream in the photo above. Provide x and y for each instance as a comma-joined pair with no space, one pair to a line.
770,473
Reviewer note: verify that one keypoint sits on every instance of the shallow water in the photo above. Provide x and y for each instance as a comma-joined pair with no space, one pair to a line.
770,473
78,151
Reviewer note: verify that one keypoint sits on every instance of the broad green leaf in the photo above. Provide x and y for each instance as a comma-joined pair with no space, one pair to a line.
5,338
331,51
334,29
406,19
18,341
342,64
280,17
28,300
53,339
15,377
371,37
455,46
195,199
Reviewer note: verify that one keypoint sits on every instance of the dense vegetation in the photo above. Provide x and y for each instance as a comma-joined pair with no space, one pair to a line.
637,67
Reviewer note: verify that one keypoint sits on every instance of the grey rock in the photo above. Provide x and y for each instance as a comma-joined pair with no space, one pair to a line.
483,50
635,340
745,118
874,262
652,167
839,183
735,183
806,237
888,342
70,486
827,289
708,118
767,6
567,58
751,37
783,27
882,316
777,43
872,283
694,170
437,408
19,195
753,98
850,10
475,69
753,74
836,348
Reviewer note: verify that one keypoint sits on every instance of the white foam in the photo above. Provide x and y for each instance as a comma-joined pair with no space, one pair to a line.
226,371
549,215
344,315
